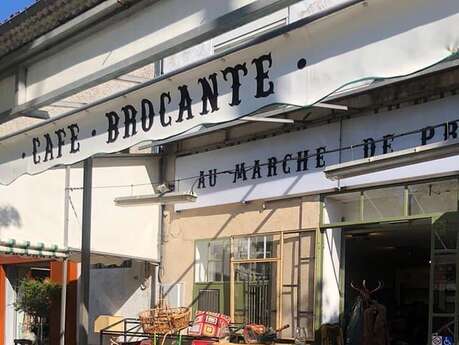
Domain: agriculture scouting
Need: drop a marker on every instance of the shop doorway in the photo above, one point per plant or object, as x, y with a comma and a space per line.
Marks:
256, 280
395, 260
444, 283
256, 286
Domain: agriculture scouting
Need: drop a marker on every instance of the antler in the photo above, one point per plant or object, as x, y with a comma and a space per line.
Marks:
379, 287
364, 291
356, 288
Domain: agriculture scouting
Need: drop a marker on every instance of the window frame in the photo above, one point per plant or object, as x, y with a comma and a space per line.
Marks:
406, 206
208, 260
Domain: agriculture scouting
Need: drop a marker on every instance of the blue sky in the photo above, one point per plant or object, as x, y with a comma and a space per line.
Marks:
8, 7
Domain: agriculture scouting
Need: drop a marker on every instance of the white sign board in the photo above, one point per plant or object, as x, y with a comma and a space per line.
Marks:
292, 164
379, 40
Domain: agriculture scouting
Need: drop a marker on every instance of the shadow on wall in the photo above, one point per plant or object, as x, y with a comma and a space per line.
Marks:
232, 215
9, 216
118, 292
331, 289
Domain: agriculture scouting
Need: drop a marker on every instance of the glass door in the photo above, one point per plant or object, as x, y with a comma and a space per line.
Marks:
255, 293
444, 297
255, 280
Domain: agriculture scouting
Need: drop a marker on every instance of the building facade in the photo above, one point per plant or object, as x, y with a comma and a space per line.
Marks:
317, 141
271, 239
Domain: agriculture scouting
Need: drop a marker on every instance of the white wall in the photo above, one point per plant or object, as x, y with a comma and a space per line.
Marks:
10, 313
120, 292
331, 269
32, 208
330, 276
123, 231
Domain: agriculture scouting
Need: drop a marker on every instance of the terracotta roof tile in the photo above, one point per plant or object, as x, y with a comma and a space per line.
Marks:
38, 19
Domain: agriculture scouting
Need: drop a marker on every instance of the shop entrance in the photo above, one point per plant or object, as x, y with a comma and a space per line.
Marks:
255, 287
408, 237
393, 261
257, 292
411, 269
444, 282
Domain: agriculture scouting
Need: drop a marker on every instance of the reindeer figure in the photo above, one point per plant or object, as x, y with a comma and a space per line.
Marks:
375, 330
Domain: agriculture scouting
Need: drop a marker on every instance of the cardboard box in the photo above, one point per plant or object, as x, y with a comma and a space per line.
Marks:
103, 321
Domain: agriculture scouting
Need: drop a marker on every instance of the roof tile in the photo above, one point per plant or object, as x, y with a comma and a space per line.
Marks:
38, 19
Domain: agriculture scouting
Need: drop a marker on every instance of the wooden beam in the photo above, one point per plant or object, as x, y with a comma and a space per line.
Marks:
255, 261
280, 273
232, 305
2, 304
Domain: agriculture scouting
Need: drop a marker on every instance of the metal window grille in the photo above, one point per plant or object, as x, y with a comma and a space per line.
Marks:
209, 300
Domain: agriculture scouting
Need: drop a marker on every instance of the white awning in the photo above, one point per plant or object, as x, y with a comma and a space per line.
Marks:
299, 65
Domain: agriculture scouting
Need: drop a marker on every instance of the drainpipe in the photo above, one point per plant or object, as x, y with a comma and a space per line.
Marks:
65, 264
161, 253
164, 159
162, 169
158, 71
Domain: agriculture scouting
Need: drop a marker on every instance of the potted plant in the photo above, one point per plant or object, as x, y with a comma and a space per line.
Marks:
35, 299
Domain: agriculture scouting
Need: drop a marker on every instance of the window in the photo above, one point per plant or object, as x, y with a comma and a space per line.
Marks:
209, 299
389, 202
212, 261
173, 294
257, 247
344, 207
441, 196
260, 294
383, 203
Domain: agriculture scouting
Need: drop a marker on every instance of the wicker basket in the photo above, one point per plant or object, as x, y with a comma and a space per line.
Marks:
162, 320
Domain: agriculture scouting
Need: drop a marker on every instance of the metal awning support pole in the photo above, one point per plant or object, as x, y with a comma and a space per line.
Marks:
63, 303
65, 263
83, 329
